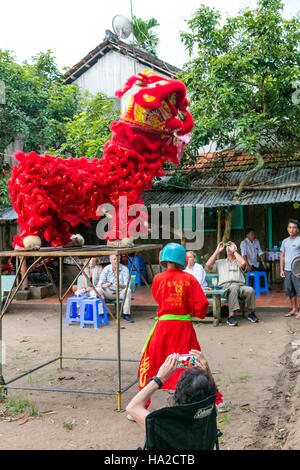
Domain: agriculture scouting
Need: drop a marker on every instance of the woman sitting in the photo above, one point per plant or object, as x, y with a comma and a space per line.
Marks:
93, 271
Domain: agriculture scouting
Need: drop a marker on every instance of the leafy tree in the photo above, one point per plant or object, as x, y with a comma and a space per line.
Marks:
241, 77
87, 132
37, 104
4, 196
144, 38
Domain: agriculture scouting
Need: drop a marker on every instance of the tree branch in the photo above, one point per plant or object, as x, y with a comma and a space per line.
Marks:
249, 175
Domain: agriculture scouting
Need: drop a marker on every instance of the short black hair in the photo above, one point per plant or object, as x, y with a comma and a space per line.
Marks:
249, 229
193, 385
294, 221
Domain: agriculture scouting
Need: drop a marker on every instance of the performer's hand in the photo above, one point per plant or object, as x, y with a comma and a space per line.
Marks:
168, 367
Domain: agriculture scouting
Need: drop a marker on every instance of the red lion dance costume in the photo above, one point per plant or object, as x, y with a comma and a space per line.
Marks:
51, 195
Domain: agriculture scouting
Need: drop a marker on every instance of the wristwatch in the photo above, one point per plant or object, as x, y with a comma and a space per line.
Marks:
157, 380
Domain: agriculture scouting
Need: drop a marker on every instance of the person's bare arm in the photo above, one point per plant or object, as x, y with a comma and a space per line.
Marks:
136, 407
248, 267
282, 264
239, 258
262, 260
211, 261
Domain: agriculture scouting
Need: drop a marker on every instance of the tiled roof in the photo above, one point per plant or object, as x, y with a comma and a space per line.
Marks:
112, 42
264, 177
223, 162
213, 179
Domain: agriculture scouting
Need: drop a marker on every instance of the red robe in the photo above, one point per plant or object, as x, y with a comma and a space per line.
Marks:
177, 293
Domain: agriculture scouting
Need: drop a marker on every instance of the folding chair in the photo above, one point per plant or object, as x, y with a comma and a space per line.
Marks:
183, 427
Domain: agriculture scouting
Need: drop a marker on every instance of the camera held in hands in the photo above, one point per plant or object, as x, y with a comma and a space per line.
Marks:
187, 360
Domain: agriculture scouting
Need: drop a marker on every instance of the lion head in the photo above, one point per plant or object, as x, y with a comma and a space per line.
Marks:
155, 103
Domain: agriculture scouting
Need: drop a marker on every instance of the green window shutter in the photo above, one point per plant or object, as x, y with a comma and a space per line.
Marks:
238, 218
187, 218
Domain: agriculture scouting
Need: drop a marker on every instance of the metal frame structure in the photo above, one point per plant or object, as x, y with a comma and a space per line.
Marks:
86, 252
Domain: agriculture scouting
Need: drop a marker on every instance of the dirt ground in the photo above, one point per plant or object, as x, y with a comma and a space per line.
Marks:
256, 367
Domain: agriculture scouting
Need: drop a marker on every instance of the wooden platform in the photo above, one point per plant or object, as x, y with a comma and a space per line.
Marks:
80, 252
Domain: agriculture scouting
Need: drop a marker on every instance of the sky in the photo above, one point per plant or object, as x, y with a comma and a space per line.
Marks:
72, 28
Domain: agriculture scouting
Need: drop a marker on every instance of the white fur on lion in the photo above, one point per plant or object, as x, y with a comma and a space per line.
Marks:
76, 240
125, 242
33, 242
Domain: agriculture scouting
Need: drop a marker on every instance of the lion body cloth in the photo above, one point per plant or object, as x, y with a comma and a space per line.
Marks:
52, 195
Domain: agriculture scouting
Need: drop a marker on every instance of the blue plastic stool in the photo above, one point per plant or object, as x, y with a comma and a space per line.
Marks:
139, 267
73, 304
257, 276
89, 313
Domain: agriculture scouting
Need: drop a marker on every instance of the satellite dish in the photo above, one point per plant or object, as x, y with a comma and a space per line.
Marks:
121, 26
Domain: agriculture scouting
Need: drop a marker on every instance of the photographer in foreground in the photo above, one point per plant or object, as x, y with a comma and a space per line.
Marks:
195, 384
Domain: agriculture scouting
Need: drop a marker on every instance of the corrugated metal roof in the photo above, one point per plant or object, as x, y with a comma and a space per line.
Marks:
8, 214
220, 198
265, 176
216, 195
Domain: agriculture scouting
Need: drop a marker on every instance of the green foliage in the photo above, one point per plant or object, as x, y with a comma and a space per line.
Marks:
144, 38
178, 179
87, 132
37, 104
4, 196
15, 407
242, 78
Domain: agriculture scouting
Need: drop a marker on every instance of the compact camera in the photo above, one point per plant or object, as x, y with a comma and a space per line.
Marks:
187, 360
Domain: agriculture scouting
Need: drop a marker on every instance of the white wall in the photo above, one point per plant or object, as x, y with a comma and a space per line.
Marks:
11, 149
110, 73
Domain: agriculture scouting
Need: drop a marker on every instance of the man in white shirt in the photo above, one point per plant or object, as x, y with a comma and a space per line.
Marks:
195, 268
252, 252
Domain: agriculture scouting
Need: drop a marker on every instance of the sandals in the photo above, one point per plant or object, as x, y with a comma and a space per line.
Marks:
296, 315
290, 314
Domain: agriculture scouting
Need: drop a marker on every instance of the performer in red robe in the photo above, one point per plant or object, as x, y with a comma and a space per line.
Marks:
179, 296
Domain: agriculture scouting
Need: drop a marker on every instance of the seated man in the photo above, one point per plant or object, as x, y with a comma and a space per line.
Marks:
107, 286
231, 276
195, 268
251, 252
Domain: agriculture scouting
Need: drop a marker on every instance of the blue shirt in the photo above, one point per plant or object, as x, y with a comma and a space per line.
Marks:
108, 276
291, 249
